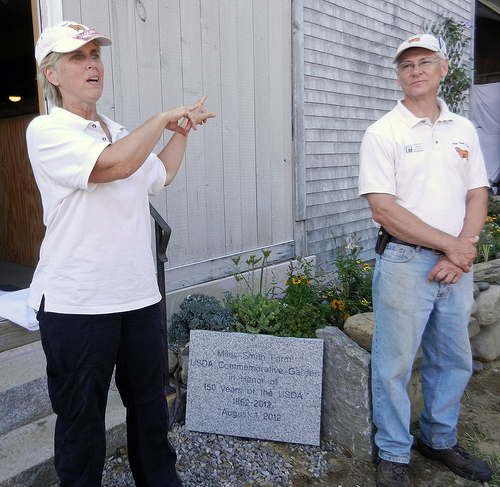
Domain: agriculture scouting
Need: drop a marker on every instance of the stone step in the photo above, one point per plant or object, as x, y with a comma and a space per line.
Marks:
27, 422
23, 387
13, 336
26, 455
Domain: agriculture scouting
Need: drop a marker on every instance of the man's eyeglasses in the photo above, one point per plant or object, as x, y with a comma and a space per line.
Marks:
407, 68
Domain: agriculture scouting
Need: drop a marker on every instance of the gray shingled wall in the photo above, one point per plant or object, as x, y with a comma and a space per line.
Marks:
348, 83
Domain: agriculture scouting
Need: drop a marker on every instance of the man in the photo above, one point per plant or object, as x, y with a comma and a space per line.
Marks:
422, 172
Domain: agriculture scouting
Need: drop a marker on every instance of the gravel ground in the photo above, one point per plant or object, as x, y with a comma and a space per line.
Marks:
211, 460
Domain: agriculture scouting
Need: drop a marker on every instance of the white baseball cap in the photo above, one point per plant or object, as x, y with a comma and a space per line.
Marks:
66, 37
426, 41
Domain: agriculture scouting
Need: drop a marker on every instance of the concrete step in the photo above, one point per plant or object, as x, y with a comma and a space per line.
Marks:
27, 422
23, 387
13, 336
27, 456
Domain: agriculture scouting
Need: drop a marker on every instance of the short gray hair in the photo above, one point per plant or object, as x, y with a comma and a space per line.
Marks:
50, 91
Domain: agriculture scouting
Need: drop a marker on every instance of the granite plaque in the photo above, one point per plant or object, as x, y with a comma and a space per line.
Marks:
255, 386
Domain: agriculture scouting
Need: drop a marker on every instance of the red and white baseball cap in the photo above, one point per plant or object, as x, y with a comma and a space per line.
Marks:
66, 37
426, 41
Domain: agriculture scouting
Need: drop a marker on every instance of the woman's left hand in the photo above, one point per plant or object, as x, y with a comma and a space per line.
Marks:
199, 113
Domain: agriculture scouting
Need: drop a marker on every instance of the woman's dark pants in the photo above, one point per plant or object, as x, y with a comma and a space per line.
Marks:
82, 351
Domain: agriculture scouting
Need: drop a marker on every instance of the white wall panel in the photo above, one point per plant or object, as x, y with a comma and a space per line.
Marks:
234, 191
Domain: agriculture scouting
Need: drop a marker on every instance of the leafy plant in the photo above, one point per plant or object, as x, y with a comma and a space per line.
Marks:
298, 309
350, 291
489, 239
493, 207
454, 86
301, 284
254, 314
300, 321
248, 278
290, 311
199, 312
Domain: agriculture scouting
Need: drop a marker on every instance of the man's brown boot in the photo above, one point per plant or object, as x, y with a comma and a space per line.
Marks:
392, 474
459, 461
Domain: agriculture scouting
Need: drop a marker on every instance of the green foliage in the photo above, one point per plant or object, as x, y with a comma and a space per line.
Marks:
453, 88
350, 291
301, 284
199, 312
254, 314
489, 240
298, 309
300, 321
493, 207
254, 264
488, 245
292, 311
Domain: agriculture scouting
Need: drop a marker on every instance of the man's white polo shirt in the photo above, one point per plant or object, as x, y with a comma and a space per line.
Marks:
428, 168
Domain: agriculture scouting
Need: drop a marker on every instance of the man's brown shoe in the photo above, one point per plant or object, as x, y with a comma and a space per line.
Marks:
459, 461
392, 474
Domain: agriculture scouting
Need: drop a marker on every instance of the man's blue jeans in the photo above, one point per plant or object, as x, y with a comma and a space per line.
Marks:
81, 352
409, 311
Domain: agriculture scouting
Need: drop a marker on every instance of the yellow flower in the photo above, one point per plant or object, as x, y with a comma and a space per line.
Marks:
308, 283
366, 267
337, 304
364, 302
347, 315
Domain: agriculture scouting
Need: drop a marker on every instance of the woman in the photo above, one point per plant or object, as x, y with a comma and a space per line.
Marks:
95, 287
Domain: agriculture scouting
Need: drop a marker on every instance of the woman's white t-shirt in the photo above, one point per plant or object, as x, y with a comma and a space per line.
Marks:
96, 255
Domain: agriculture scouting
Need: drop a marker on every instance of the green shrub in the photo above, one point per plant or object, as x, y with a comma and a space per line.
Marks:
254, 314
300, 321
199, 312
294, 310
253, 263
301, 284
488, 245
457, 36
350, 291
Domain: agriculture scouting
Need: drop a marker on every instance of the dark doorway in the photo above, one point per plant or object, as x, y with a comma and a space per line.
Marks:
487, 42
21, 226
18, 88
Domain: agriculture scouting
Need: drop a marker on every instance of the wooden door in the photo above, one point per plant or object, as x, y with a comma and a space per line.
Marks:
21, 226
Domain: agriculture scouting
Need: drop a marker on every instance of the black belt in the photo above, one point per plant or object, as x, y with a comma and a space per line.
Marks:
401, 242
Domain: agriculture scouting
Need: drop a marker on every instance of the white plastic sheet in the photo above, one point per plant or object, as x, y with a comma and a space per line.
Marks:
13, 306
485, 115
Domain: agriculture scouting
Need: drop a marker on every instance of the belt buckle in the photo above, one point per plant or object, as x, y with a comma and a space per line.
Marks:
437, 252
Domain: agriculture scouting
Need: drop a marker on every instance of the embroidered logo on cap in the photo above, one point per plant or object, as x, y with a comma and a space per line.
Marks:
87, 35
77, 27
